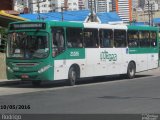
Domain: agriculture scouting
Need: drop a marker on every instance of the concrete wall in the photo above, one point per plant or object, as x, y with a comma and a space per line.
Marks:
2, 66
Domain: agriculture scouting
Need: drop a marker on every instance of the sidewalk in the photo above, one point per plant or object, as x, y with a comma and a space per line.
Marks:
154, 72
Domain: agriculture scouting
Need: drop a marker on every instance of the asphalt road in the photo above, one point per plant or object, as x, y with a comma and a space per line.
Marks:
100, 95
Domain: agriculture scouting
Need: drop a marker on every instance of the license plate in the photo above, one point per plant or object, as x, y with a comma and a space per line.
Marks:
24, 76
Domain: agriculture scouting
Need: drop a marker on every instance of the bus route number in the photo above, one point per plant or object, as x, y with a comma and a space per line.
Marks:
75, 53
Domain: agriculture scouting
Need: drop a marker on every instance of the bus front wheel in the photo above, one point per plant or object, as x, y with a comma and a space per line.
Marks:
131, 70
36, 83
72, 76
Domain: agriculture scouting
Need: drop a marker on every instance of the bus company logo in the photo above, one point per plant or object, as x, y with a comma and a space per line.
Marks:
150, 117
74, 53
107, 56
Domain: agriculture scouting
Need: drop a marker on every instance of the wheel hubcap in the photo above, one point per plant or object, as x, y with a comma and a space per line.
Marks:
131, 71
73, 75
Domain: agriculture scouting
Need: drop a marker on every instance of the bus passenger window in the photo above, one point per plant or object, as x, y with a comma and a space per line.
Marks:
74, 38
91, 38
58, 43
106, 38
132, 38
120, 38
153, 39
60, 39
144, 39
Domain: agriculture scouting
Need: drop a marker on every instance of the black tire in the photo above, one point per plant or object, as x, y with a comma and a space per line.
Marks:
72, 76
36, 83
131, 70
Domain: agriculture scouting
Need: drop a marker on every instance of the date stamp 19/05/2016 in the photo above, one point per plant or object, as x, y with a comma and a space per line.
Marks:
14, 107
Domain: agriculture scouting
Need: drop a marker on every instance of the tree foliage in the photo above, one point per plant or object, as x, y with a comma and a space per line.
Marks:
3, 39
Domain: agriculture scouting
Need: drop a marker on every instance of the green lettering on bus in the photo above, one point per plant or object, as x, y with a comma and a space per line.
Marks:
105, 55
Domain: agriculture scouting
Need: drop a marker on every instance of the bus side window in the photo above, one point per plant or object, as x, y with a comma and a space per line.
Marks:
144, 39
153, 39
58, 43
106, 38
120, 38
74, 37
132, 38
91, 38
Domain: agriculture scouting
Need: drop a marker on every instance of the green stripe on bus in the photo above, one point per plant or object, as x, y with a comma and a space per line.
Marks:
142, 50
72, 53
130, 27
66, 24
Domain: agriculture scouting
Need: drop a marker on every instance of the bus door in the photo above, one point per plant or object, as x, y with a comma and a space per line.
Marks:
58, 52
108, 58
153, 57
118, 52
91, 45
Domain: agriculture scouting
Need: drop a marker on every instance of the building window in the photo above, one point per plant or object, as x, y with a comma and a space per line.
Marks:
75, 3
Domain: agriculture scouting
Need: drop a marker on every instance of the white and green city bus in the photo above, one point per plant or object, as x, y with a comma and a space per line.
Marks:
53, 50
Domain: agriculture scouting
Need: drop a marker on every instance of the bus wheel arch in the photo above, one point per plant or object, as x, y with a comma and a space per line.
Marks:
131, 70
73, 74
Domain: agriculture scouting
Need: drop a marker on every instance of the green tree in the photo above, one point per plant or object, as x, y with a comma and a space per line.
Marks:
3, 39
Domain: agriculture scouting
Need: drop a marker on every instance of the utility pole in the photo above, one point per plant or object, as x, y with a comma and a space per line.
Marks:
106, 5
95, 6
149, 12
91, 11
38, 5
92, 17
152, 14
62, 13
65, 5
63, 8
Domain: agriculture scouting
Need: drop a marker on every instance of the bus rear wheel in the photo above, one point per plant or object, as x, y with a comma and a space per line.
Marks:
36, 83
131, 70
72, 76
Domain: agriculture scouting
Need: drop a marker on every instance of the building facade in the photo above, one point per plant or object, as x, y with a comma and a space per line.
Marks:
124, 9
151, 5
158, 1
81, 4
99, 5
144, 4
20, 5
135, 4
44, 6
6, 5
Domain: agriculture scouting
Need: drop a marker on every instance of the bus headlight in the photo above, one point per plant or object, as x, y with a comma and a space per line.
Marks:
44, 69
9, 69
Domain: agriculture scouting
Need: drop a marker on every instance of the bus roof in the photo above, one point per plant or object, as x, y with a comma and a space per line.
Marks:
55, 23
65, 24
91, 25
104, 26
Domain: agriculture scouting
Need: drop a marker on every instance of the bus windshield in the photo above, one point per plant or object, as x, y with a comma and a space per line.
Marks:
27, 45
